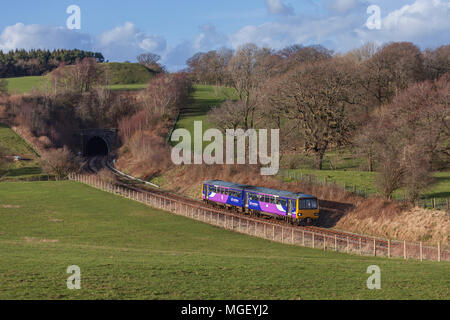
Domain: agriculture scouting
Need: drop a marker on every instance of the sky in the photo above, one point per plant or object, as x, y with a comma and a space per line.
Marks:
177, 29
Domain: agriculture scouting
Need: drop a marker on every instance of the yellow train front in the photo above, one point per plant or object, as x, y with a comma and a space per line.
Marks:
297, 208
308, 210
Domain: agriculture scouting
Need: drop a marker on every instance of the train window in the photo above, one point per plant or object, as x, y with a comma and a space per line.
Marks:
239, 194
308, 204
273, 200
283, 202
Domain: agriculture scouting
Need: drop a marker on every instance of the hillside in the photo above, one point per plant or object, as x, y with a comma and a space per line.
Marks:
14, 145
123, 76
127, 73
129, 251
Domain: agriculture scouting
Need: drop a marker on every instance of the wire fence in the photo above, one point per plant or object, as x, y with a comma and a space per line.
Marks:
432, 203
353, 244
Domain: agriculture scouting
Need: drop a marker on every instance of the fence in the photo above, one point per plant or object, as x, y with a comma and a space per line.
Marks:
433, 203
279, 233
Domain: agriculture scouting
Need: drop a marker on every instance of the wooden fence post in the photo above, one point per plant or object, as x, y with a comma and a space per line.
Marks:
404, 249
421, 253
348, 244
389, 248
313, 240
360, 247
303, 238
439, 251
273, 232
292, 235
374, 247
324, 243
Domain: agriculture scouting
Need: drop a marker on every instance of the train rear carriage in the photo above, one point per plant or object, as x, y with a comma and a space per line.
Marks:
224, 193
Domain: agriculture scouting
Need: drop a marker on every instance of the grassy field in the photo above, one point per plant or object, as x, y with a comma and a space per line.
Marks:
128, 251
123, 76
15, 146
25, 84
365, 182
127, 73
204, 99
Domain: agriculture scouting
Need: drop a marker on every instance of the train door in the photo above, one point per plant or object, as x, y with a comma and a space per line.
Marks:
246, 200
289, 208
207, 192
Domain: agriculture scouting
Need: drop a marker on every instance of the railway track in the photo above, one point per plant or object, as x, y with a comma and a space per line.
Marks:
95, 164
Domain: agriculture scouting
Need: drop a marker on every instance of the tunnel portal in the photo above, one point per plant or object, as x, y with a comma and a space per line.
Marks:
97, 146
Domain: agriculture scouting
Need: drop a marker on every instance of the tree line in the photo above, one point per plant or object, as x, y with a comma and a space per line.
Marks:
387, 103
36, 62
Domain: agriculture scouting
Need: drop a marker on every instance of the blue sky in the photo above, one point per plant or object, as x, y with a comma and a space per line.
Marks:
176, 29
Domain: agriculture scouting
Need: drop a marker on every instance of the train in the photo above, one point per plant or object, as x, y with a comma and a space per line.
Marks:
295, 208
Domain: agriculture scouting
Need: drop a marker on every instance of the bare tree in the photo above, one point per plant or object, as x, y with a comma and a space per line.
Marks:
316, 96
437, 62
248, 70
229, 115
406, 136
61, 162
392, 69
151, 61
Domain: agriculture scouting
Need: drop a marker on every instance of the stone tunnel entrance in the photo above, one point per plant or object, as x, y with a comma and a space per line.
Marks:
98, 142
96, 146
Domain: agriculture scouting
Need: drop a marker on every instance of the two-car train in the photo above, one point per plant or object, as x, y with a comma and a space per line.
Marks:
297, 208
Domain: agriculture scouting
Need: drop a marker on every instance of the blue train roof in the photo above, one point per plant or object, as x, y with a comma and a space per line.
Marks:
224, 184
279, 193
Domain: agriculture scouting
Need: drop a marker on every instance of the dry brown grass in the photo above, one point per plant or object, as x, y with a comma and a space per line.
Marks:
8, 206
36, 240
387, 219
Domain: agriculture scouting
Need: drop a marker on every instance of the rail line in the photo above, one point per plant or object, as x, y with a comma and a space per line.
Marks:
95, 164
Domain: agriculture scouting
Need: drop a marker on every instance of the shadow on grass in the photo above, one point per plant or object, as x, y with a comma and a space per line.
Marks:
25, 171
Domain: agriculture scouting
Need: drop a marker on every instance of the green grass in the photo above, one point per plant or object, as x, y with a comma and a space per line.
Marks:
128, 73
365, 182
128, 251
15, 146
203, 99
25, 84
123, 76
128, 87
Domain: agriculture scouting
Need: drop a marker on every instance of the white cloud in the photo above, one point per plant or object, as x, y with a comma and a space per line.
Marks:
126, 42
42, 37
278, 7
425, 22
282, 33
209, 38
